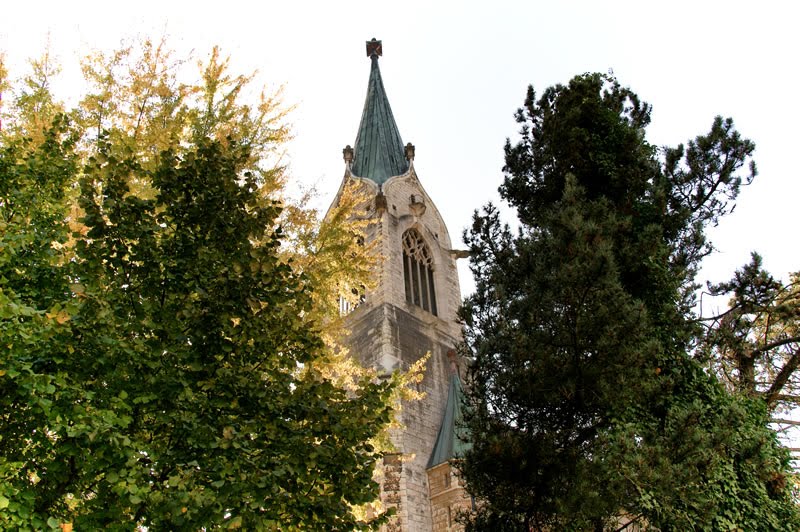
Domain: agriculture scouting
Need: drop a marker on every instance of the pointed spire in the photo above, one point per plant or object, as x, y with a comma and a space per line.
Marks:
379, 150
451, 442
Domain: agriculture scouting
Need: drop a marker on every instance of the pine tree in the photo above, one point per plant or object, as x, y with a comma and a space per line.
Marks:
587, 409
754, 346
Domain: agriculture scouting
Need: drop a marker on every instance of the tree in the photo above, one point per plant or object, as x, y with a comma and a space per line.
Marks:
134, 99
166, 366
754, 346
587, 409
33, 290
34, 106
140, 98
180, 384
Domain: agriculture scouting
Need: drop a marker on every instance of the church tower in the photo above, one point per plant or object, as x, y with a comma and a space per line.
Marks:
412, 310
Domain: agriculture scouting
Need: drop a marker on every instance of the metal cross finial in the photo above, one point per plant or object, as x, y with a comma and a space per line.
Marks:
374, 48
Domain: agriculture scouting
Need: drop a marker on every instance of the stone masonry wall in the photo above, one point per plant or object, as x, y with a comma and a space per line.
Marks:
409, 339
448, 498
390, 334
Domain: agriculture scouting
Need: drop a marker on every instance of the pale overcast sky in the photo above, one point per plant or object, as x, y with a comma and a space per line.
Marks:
456, 71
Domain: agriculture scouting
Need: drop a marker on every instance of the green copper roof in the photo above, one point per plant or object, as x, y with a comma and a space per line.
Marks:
451, 441
379, 152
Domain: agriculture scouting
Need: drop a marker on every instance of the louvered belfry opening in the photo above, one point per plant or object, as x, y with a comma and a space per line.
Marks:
418, 272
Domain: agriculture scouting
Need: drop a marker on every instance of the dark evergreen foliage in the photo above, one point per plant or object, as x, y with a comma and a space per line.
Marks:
587, 409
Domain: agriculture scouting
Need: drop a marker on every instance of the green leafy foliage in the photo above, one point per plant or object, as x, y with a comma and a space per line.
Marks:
164, 361
179, 389
587, 411
34, 306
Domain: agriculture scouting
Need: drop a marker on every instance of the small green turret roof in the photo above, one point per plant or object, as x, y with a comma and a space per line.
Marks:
379, 152
451, 442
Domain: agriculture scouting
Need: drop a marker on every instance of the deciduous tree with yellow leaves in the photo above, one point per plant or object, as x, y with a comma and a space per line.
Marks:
164, 361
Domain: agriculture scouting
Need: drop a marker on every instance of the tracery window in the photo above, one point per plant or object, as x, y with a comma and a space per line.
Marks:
418, 272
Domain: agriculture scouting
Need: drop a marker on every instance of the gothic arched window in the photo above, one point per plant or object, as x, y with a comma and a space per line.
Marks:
418, 272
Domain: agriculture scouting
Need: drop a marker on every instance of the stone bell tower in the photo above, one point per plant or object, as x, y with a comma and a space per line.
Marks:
412, 309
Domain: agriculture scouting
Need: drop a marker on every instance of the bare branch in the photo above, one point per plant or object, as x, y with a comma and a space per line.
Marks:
774, 344
786, 398
785, 421
786, 372
633, 521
